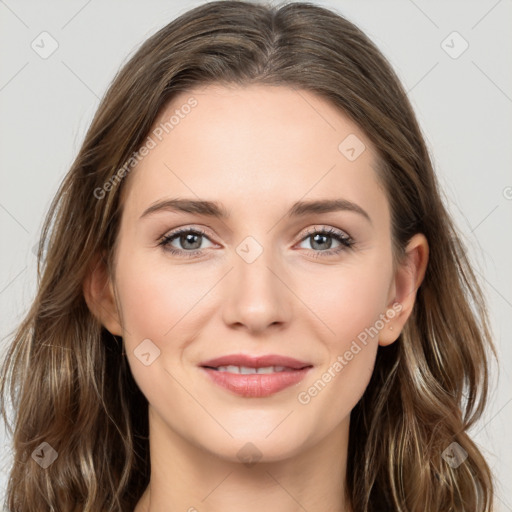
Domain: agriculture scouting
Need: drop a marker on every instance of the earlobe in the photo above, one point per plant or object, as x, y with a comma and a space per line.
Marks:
408, 278
99, 296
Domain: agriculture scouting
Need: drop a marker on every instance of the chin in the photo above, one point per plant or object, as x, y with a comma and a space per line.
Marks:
251, 447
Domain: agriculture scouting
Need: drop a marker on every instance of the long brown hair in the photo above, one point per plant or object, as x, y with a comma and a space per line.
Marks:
67, 376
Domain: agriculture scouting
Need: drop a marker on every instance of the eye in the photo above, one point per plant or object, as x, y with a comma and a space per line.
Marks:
321, 241
189, 239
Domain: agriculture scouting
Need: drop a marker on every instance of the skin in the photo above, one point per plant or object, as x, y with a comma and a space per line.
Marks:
256, 150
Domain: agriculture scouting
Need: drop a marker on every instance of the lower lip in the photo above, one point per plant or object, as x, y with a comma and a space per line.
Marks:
257, 385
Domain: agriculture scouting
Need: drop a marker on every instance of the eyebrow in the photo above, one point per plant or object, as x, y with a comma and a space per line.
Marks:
215, 209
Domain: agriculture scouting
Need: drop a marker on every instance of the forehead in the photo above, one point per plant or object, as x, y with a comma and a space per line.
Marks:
252, 146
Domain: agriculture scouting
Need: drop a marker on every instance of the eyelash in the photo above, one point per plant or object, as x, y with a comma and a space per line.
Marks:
346, 241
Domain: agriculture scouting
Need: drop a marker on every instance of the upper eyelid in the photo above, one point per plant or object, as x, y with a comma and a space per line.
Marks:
330, 230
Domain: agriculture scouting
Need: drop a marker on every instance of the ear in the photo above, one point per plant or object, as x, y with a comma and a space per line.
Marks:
408, 278
99, 295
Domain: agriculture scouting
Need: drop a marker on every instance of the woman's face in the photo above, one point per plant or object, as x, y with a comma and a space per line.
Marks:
278, 275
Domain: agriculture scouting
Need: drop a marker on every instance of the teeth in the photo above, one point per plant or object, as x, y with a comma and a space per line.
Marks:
244, 370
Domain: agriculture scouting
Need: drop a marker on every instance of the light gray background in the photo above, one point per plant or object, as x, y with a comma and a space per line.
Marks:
464, 105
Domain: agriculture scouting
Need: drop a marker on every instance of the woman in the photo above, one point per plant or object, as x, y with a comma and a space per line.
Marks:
255, 369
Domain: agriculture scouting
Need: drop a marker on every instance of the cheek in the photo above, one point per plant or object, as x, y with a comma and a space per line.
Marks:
350, 308
165, 303
156, 296
350, 303
157, 304
348, 300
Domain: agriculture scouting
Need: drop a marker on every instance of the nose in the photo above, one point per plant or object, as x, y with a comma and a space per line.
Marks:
256, 294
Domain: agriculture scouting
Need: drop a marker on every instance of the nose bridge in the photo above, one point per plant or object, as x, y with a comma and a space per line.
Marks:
256, 295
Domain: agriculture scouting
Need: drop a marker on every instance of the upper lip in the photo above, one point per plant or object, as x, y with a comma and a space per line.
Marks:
255, 361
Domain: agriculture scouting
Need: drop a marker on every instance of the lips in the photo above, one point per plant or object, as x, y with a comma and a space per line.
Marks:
239, 373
